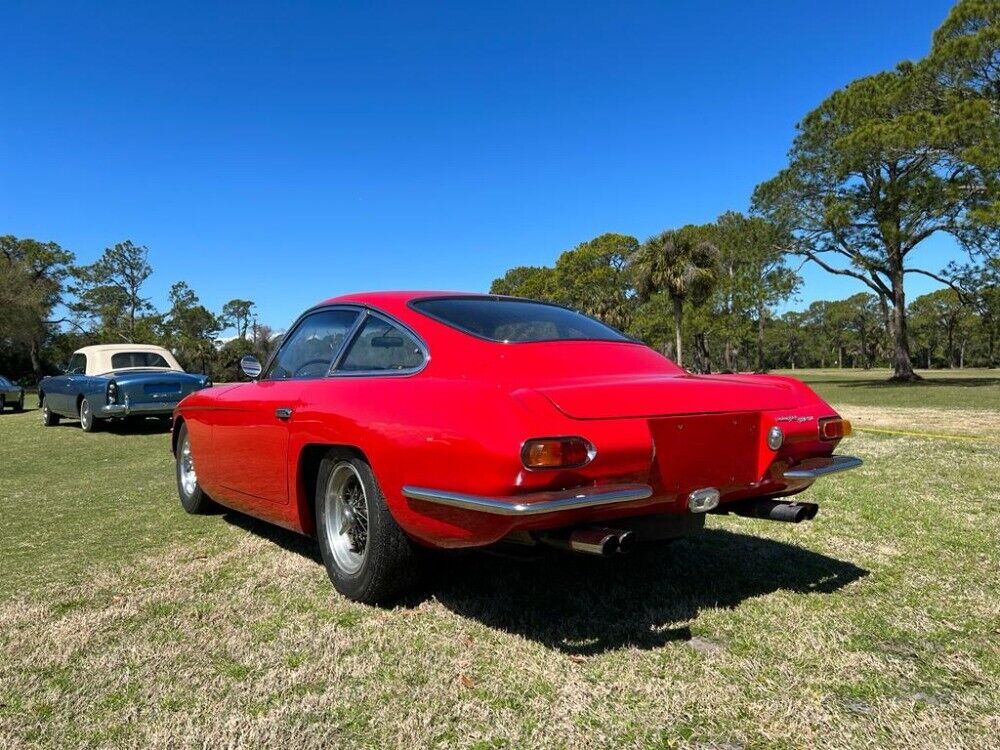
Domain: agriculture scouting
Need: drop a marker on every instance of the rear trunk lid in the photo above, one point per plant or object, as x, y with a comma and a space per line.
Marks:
659, 395
157, 386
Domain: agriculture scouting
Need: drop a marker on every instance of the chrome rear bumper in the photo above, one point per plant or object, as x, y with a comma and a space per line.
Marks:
155, 409
817, 467
535, 503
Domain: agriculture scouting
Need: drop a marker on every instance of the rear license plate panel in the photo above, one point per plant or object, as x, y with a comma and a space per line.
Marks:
706, 450
160, 389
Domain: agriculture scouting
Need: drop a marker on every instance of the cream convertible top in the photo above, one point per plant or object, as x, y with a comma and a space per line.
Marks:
99, 358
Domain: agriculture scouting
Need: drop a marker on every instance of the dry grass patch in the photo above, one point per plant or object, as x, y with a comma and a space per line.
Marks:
978, 423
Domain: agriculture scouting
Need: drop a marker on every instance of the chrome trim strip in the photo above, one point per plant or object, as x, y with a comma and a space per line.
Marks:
535, 503
817, 467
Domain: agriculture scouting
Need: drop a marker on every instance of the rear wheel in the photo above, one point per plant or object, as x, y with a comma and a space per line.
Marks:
367, 556
193, 499
87, 419
49, 417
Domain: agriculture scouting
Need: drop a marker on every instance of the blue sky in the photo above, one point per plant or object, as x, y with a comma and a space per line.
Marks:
287, 152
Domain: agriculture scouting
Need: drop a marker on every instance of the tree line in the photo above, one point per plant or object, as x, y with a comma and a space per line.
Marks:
51, 306
874, 172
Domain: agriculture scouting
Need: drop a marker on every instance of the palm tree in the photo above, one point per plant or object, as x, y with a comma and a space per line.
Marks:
680, 264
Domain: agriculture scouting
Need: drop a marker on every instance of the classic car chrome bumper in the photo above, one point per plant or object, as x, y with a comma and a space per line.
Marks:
817, 467
535, 503
141, 410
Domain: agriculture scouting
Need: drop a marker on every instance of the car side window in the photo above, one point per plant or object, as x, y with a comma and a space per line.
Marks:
381, 346
309, 350
77, 364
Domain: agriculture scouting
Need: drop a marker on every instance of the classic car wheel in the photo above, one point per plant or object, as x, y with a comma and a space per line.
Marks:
87, 419
367, 556
20, 404
193, 499
49, 418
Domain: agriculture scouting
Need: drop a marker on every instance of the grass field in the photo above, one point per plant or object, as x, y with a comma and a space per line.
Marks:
126, 623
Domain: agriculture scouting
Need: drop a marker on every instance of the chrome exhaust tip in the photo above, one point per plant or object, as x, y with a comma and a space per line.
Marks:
778, 510
590, 540
593, 541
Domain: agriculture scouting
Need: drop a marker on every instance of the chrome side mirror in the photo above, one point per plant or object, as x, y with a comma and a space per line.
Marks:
250, 366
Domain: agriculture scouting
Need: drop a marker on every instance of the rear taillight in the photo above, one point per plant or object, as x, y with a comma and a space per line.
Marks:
112, 392
557, 453
834, 428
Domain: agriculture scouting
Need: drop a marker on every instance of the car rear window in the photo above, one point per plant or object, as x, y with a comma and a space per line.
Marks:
504, 319
121, 360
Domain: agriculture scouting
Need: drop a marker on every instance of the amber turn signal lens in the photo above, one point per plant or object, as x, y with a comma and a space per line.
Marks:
557, 453
834, 428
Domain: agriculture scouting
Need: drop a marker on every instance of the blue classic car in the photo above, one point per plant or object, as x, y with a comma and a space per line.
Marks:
11, 394
113, 381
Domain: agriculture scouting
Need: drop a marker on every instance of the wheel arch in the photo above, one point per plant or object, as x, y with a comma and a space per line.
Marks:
175, 430
307, 471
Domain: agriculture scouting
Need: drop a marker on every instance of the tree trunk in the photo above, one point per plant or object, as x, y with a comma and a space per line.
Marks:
760, 338
902, 366
883, 303
36, 360
678, 312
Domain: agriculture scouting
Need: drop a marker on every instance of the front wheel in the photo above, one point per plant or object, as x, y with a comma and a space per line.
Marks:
87, 419
49, 417
367, 556
193, 498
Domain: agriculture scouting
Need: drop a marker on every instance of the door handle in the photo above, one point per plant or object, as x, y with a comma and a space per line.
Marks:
283, 412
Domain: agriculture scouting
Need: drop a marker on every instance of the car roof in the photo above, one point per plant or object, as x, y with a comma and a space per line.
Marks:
394, 297
119, 348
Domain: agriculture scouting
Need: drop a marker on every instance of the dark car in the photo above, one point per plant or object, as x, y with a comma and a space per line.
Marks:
11, 394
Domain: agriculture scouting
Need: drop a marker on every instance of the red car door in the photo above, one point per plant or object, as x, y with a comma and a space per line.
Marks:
251, 426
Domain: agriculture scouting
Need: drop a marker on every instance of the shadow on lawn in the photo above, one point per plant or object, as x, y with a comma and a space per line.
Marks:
925, 383
584, 605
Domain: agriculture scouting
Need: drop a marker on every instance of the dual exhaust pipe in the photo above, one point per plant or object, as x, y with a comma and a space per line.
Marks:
604, 542
592, 540
775, 510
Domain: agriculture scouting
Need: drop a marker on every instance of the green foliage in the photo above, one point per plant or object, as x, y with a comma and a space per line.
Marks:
681, 265
108, 293
32, 274
593, 277
236, 314
189, 329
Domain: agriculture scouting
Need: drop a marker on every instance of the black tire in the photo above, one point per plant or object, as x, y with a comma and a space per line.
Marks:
193, 498
49, 417
3, 403
20, 404
88, 422
390, 563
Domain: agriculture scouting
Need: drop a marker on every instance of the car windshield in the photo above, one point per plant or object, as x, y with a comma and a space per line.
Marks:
123, 360
4, 383
504, 319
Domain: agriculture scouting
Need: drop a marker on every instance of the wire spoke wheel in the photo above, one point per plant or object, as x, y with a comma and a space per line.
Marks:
189, 477
345, 522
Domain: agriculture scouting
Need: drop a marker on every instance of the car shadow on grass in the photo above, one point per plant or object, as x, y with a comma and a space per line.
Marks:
584, 605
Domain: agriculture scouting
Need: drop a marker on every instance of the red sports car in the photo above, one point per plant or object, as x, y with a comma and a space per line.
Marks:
394, 421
